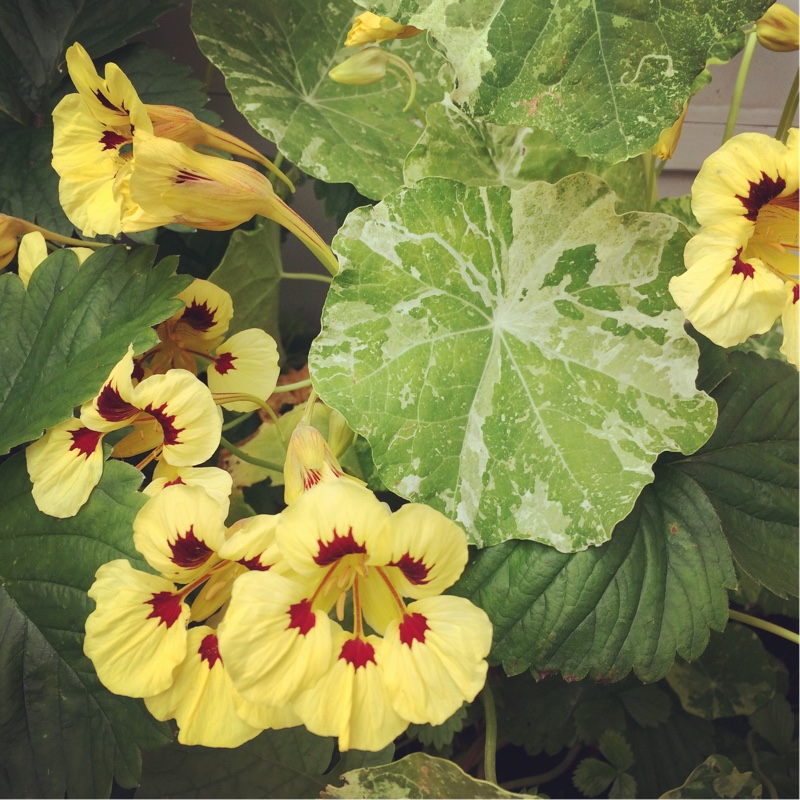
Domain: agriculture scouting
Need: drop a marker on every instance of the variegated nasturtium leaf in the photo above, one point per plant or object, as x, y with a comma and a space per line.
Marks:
513, 358
606, 78
456, 146
276, 57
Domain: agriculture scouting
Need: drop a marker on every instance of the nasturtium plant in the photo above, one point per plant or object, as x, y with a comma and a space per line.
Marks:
513, 512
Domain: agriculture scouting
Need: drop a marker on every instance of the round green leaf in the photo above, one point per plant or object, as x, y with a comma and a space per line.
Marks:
513, 357
276, 57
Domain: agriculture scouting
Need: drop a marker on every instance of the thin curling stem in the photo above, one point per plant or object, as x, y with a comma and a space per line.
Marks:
402, 64
789, 110
755, 622
258, 462
490, 742
741, 79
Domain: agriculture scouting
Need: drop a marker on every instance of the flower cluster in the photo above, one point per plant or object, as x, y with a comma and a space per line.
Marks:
742, 268
277, 658
173, 415
125, 166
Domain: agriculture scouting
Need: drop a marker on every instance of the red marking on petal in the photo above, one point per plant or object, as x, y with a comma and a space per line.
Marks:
357, 652
413, 568
111, 140
254, 564
85, 441
412, 629
338, 547
760, 194
189, 551
199, 316
742, 267
176, 482
107, 103
209, 650
167, 422
224, 363
138, 371
166, 608
184, 176
311, 477
301, 617
795, 293
111, 406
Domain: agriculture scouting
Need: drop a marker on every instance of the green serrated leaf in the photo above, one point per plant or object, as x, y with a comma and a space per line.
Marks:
716, 777
61, 338
648, 705
455, 146
592, 776
417, 775
606, 78
61, 732
655, 589
439, 736
35, 36
276, 57
624, 786
749, 469
250, 271
616, 750
775, 722
733, 676
495, 349
285, 763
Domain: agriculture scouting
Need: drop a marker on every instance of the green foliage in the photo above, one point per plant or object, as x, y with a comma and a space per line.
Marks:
605, 78
276, 57
717, 777
417, 775
286, 763
61, 731
61, 337
733, 676
502, 375
593, 776
439, 736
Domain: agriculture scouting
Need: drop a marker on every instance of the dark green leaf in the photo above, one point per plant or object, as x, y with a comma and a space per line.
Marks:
717, 777
286, 763
592, 776
648, 705
655, 589
749, 469
775, 722
339, 199
61, 338
616, 750
623, 787
439, 736
61, 731
733, 676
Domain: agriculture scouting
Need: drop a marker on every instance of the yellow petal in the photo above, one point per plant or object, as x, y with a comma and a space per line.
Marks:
214, 481
369, 27
778, 29
113, 407
791, 311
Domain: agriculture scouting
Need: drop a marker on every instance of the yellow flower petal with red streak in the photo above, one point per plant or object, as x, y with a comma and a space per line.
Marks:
791, 311
725, 297
113, 407
351, 700
369, 27
274, 643
332, 522
309, 461
247, 363
434, 658
202, 699
64, 466
179, 532
184, 408
215, 482
208, 312
136, 635
253, 545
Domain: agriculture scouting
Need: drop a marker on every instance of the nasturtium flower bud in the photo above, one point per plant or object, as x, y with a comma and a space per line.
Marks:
664, 148
369, 27
778, 29
366, 67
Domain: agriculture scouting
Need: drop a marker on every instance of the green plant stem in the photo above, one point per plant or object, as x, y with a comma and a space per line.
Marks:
757, 767
234, 422
309, 409
258, 462
306, 276
736, 101
551, 774
490, 741
789, 110
220, 398
755, 622
291, 387
650, 182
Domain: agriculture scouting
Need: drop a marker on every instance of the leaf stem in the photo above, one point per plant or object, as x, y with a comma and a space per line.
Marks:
490, 742
258, 462
309, 409
789, 110
650, 180
551, 774
770, 627
238, 420
736, 101
291, 387
757, 767
306, 276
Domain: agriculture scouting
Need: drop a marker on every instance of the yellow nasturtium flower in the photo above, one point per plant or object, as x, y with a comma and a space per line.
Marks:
779, 29
742, 268
369, 27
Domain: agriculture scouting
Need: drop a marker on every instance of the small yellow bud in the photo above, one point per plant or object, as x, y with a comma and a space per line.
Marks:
778, 29
668, 141
341, 436
365, 67
369, 27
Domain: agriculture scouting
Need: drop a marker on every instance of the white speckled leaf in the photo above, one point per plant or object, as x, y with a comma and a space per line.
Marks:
275, 58
605, 77
513, 357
